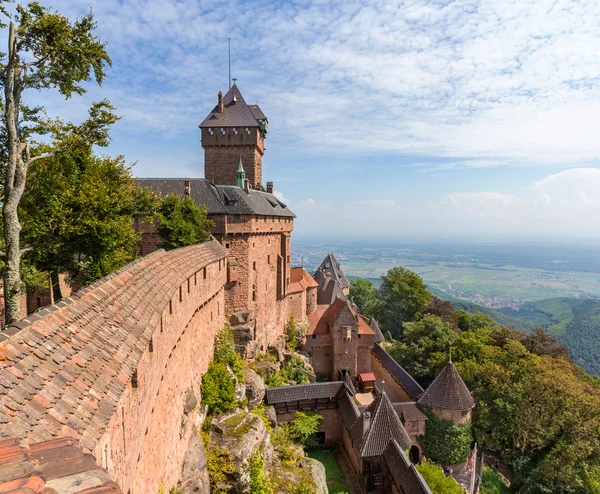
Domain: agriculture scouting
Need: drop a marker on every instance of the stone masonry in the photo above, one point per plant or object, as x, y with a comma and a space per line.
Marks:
112, 365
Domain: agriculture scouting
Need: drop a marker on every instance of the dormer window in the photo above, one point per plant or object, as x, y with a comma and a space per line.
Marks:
222, 131
210, 131
235, 131
247, 131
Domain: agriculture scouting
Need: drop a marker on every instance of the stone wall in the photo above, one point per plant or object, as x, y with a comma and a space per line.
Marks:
221, 164
457, 416
390, 382
321, 350
113, 364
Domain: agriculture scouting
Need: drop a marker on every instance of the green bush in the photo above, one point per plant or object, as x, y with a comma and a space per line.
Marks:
304, 427
260, 483
225, 351
218, 388
260, 411
293, 370
219, 463
294, 332
446, 442
436, 480
284, 445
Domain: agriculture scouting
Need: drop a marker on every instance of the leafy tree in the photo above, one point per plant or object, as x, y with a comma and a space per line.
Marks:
45, 50
260, 483
304, 428
182, 223
436, 480
424, 347
470, 322
402, 295
218, 388
444, 310
446, 442
364, 295
77, 209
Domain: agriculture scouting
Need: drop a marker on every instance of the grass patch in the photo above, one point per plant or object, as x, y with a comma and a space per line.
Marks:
491, 483
336, 482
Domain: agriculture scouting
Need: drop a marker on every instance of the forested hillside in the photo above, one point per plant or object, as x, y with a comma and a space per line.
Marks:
574, 322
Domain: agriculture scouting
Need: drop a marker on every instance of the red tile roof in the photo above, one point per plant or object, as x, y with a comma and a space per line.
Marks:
59, 465
300, 280
367, 377
63, 369
324, 316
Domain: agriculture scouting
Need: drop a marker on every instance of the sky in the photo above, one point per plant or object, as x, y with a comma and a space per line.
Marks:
472, 119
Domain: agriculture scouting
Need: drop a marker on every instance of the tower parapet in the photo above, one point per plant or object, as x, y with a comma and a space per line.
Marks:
233, 130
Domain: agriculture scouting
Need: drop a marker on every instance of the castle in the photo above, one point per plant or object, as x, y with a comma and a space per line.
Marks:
115, 369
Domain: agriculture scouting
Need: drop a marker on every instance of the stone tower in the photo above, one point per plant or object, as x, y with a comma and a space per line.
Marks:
231, 132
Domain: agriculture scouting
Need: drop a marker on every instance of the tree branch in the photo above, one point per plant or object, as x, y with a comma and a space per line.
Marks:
25, 250
40, 157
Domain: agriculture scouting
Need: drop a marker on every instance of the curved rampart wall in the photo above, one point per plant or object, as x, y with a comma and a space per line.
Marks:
112, 365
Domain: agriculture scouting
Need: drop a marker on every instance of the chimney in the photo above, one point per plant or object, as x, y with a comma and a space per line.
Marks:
220, 105
247, 186
366, 421
270, 187
188, 187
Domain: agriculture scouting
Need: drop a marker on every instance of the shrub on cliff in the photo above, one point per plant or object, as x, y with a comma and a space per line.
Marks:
436, 480
304, 427
182, 223
218, 388
260, 483
225, 351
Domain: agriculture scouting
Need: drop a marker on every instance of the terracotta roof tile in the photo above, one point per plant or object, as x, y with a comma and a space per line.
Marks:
87, 347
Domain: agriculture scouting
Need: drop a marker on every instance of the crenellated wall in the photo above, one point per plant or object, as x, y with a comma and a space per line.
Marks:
113, 365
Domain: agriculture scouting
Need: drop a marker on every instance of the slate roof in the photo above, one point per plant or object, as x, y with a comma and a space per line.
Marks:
412, 387
349, 383
330, 265
405, 475
379, 338
448, 391
220, 199
235, 114
55, 466
329, 290
409, 411
63, 369
384, 425
300, 392
348, 409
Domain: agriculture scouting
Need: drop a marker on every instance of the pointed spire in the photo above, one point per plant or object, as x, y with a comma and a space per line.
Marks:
241, 175
448, 391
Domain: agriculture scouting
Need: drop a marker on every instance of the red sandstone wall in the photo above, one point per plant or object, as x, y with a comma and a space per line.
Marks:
390, 382
457, 416
321, 351
221, 164
145, 442
349, 449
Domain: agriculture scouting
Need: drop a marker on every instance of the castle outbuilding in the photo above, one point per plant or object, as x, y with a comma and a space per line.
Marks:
448, 396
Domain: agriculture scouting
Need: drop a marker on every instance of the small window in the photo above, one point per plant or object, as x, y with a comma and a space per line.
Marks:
227, 245
288, 259
171, 306
314, 336
151, 346
134, 379
269, 242
268, 259
181, 294
189, 284
204, 273
254, 265
196, 278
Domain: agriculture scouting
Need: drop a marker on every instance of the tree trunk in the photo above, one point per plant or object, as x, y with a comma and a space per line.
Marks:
56, 291
14, 184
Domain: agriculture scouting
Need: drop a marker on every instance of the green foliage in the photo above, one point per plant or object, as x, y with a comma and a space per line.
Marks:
182, 223
225, 353
260, 411
424, 347
284, 445
446, 442
304, 428
491, 483
437, 480
471, 322
402, 295
260, 483
294, 332
218, 388
219, 464
293, 371
78, 207
364, 295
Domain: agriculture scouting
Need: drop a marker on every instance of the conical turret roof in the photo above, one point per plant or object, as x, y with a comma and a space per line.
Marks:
448, 391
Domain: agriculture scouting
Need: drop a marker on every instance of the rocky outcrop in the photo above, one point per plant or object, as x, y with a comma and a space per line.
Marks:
244, 326
266, 368
241, 434
317, 474
194, 479
307, 472
255, 388
271, 415
240, 388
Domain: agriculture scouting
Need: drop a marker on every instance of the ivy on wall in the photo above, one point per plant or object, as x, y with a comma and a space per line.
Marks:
446, 442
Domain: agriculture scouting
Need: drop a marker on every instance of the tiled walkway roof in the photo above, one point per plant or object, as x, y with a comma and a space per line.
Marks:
64, 368
404, 473
412, 387
300, 392
448, 391
56, 466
